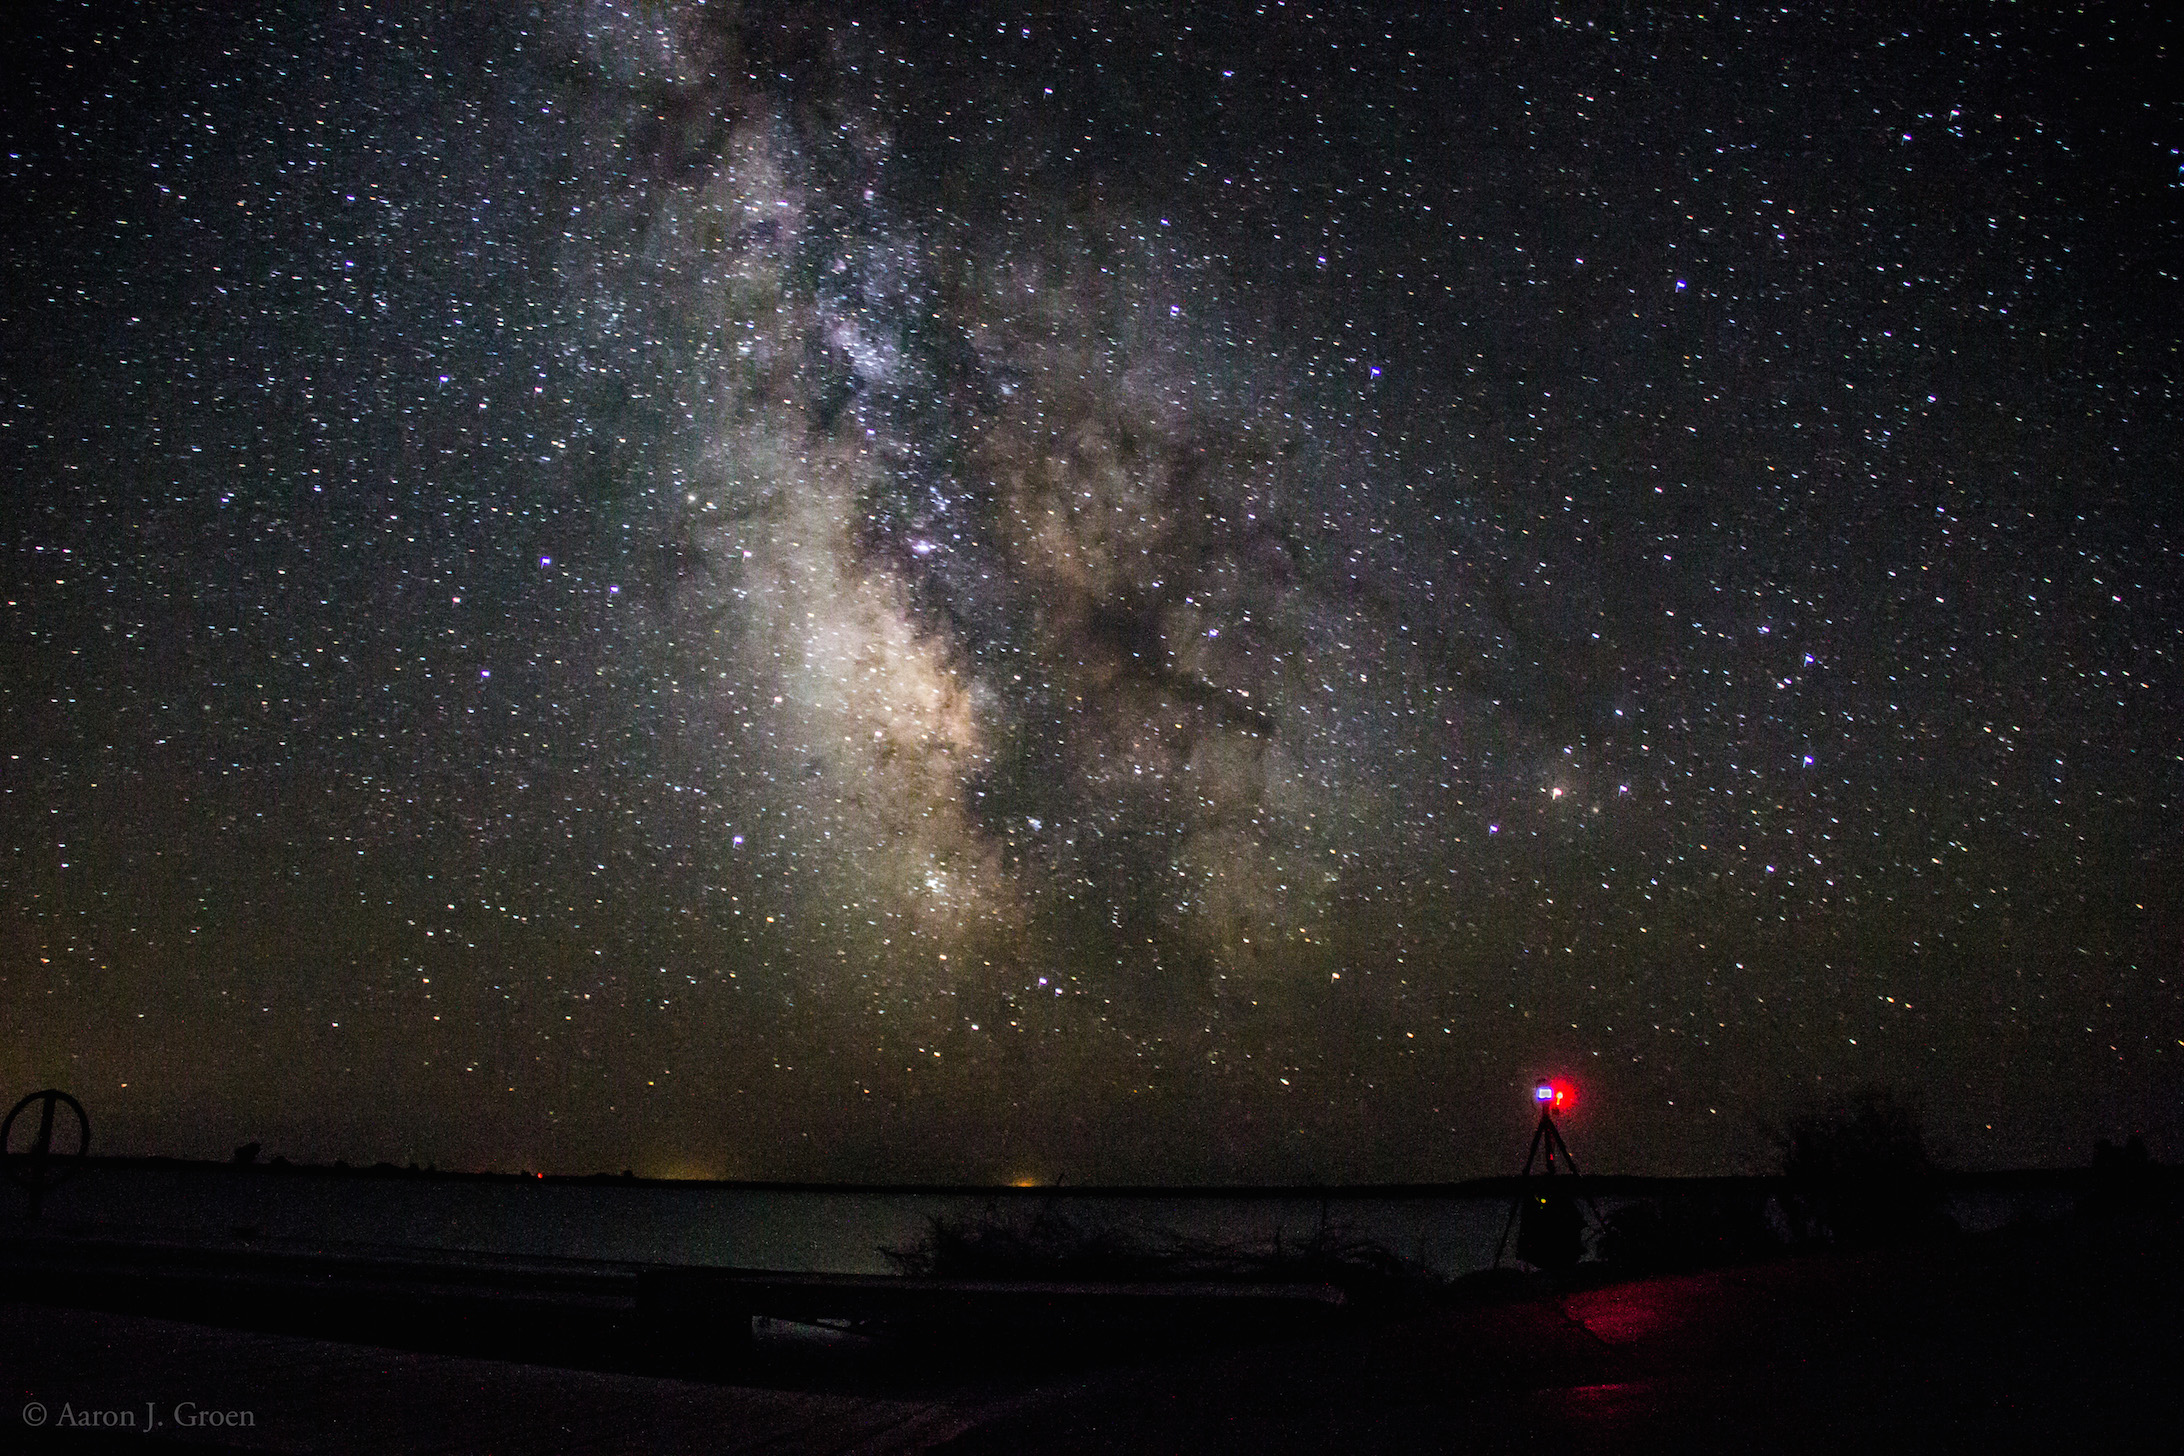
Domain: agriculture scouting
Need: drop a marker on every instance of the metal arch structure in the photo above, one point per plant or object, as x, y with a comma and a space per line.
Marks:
39, 1169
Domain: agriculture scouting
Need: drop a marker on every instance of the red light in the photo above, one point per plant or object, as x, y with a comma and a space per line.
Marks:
1555, 1096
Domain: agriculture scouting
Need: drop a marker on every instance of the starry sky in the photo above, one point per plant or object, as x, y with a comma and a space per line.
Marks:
1097, 592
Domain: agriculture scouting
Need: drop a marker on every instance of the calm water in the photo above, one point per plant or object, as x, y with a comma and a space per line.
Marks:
841, 1231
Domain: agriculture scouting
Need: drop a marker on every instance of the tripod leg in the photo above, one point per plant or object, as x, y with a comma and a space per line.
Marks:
1598, 1222
1544, 1129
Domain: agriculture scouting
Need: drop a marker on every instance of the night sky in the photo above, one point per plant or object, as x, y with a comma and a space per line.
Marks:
1096, 592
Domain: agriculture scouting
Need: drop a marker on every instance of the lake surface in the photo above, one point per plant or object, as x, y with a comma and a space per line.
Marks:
752, 1226
1447, 1232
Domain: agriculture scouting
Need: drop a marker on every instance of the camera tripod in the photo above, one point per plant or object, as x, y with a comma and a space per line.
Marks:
1547, 1141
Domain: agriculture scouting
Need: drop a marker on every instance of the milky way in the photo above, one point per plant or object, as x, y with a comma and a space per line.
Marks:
1089, 592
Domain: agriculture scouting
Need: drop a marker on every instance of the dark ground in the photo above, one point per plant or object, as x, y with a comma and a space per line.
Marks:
2067, 1339
2064, 1337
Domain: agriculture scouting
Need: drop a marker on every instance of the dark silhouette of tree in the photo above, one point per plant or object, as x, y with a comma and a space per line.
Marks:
1859, 1174
2125, 1179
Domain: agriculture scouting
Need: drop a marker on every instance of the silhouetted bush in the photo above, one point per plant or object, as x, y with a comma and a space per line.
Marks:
1689, 1231
1551, 1233
1045, 1246
1042, 1245
1859, 1174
